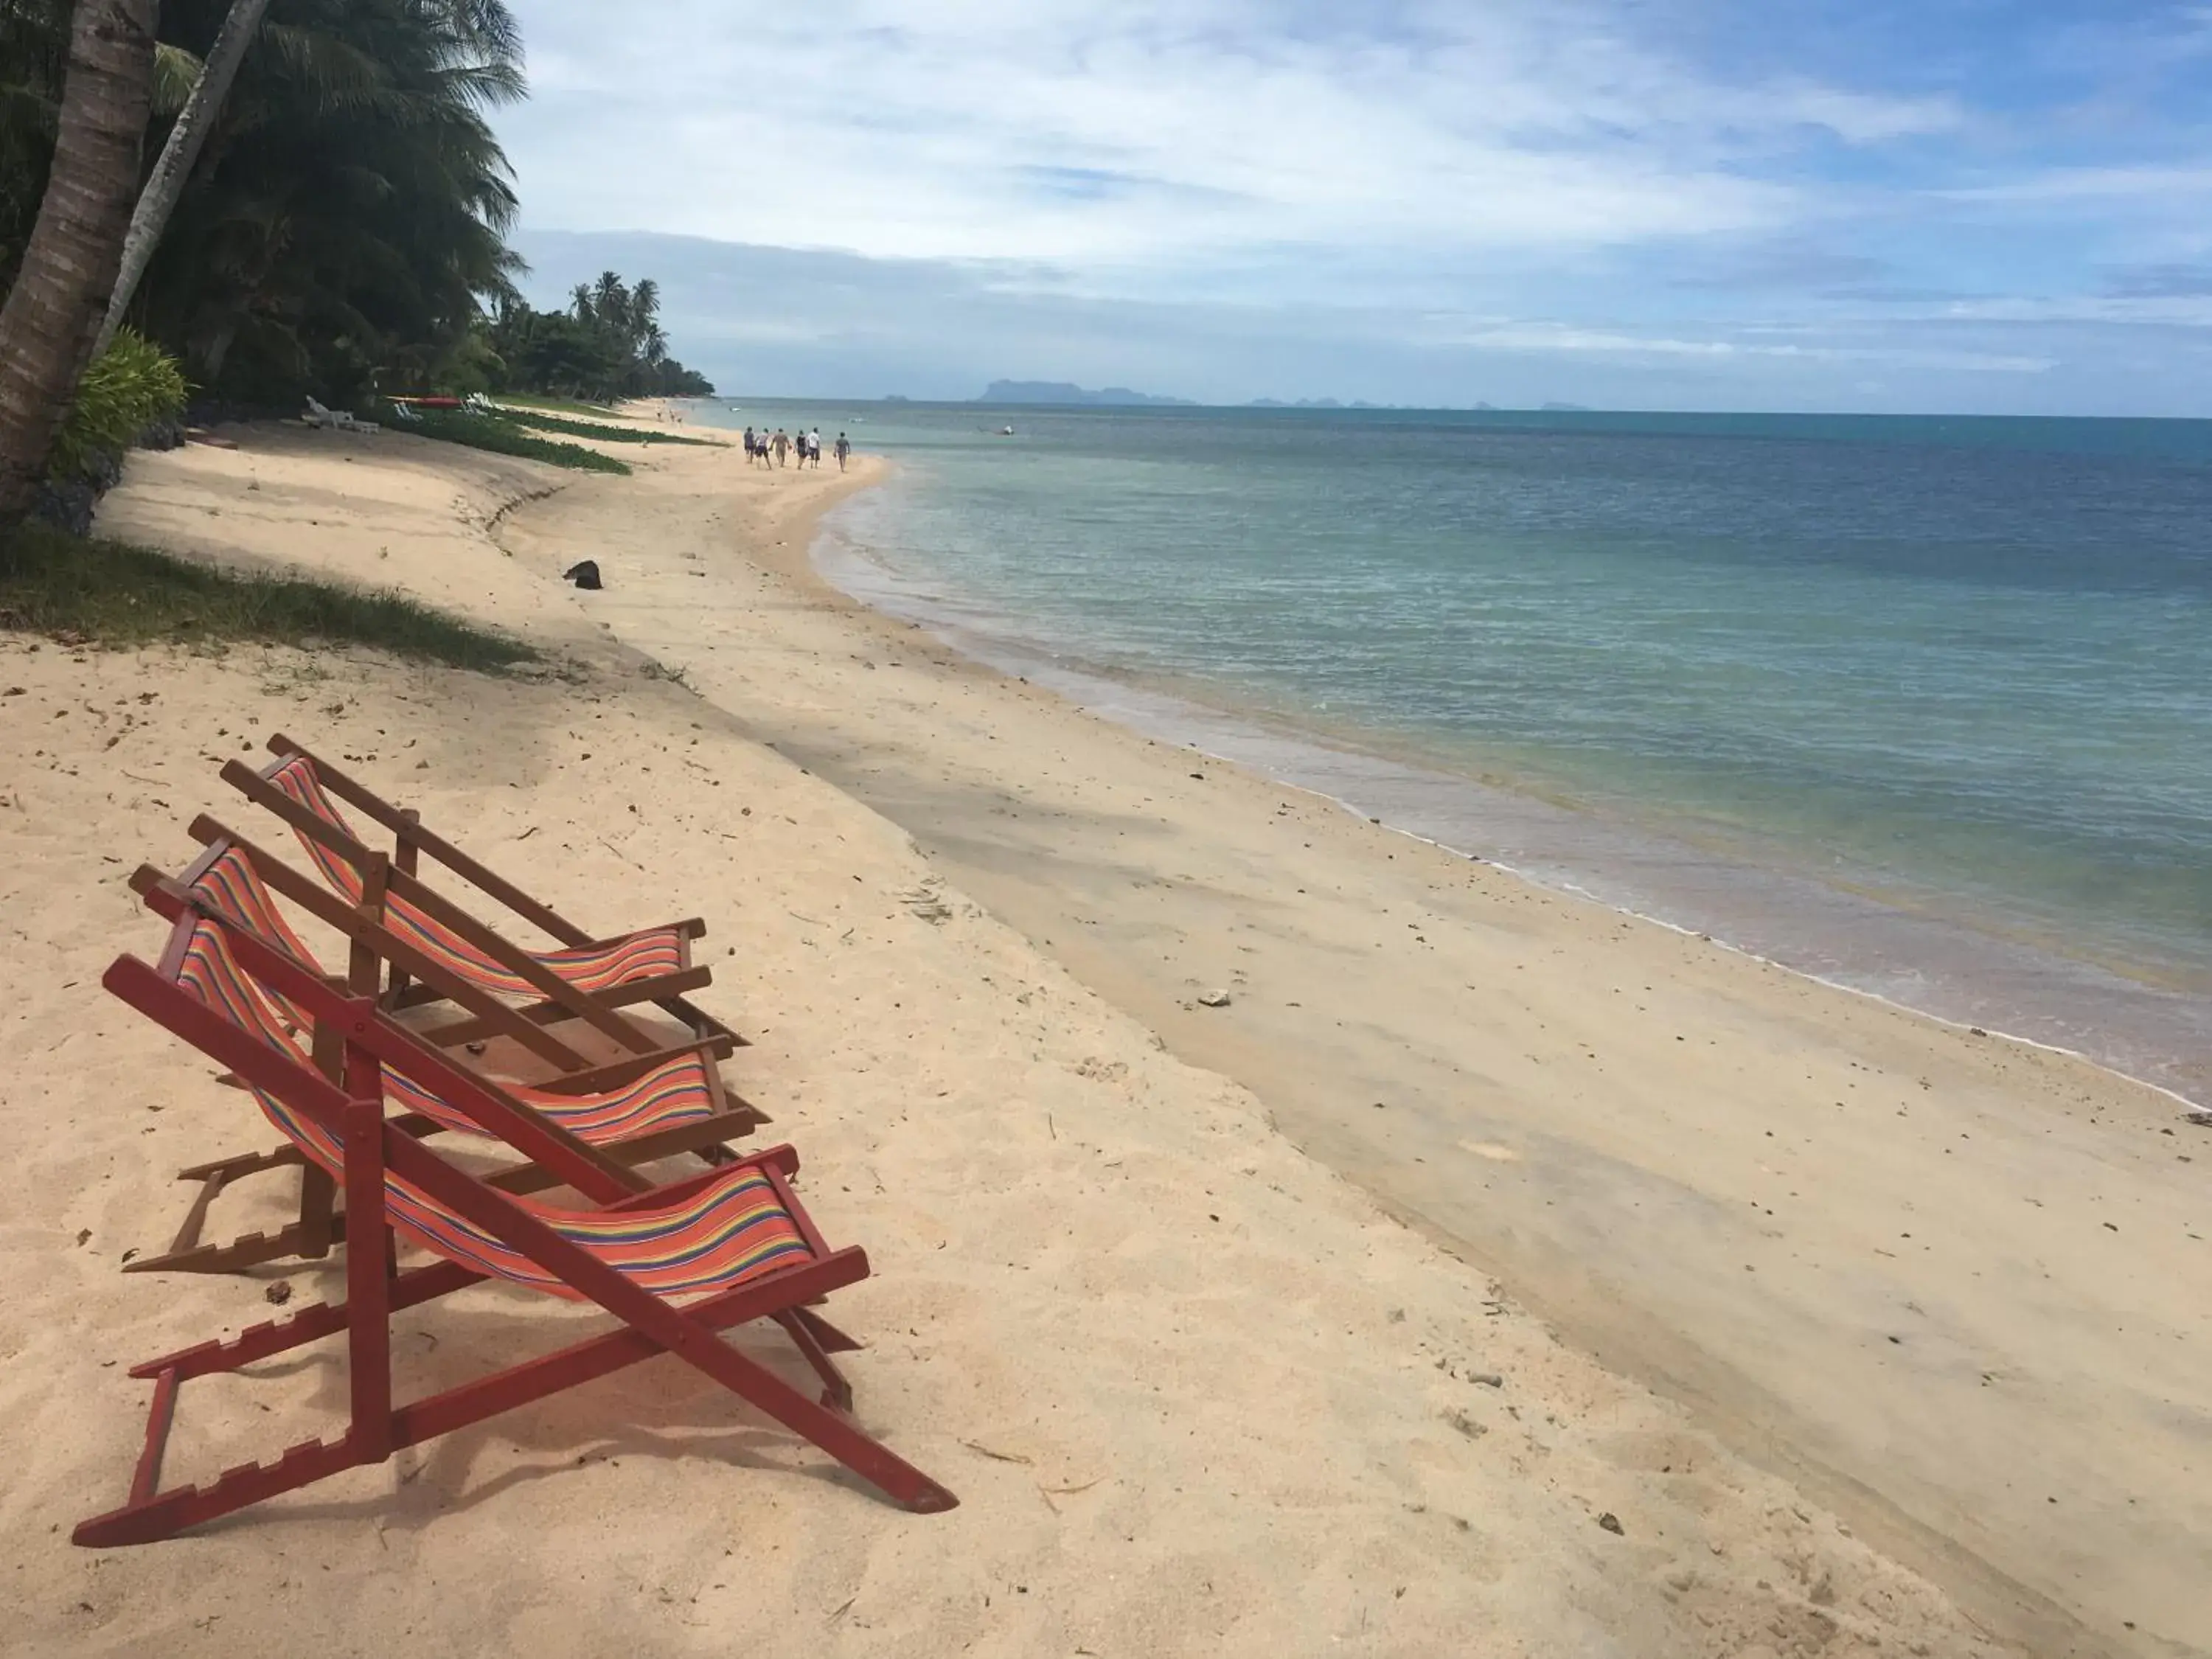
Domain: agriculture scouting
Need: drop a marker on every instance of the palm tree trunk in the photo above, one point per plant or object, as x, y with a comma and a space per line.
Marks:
171, 173
54, 310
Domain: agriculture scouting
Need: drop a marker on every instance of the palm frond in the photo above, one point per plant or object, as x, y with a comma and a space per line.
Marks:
352, 203
176, 72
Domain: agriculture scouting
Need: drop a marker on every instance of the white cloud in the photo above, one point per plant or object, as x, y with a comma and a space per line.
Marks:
1543, 337
1387, 198
1144, 133
2157, 186
2169, 311
762, 321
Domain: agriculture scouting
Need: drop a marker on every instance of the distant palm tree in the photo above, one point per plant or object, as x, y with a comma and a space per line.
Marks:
54, 308
608, 343
646, 342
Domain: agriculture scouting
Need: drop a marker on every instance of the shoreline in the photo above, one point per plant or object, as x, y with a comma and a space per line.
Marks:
1133, 1254
1567, 1268
2022, 988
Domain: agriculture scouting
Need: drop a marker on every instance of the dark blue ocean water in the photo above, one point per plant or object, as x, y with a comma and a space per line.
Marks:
1957, 669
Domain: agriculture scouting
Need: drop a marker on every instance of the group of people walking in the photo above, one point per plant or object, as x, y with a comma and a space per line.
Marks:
801, 448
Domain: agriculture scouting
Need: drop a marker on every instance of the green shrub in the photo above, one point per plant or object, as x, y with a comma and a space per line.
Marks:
133, 385
503, 437
512, 400
612, 434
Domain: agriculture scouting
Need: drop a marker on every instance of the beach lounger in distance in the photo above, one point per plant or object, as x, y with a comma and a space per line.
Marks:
676, 1264
679, 1104
340, 420
581, 979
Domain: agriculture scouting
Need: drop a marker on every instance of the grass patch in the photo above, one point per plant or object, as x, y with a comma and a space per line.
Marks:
504, 437
555, 405
95, 593
613, 435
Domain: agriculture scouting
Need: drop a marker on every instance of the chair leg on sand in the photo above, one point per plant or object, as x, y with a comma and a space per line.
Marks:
310, 1237
378, 1428
675, 1265
836, 1390
152, 1513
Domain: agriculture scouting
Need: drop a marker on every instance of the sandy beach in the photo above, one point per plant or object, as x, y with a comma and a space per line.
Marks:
1493, 1274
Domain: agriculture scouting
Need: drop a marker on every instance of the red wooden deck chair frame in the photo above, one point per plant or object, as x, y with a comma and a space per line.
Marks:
662, 975
680, 1105
381, 1166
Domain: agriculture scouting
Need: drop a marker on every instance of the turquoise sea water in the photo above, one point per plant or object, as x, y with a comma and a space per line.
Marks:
1922, 705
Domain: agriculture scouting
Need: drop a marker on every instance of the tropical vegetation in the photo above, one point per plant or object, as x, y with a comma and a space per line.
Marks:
494, 430
348, 212
314, 195
132, 387
607, 344
545, 421
70, 251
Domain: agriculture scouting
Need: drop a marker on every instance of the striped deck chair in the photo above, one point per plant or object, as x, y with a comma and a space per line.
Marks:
582, 978
381, 954
675, 1106
675, 1264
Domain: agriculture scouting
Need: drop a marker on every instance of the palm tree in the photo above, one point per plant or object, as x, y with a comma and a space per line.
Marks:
54, 307
608, 344
349, 216
610, 299
34, 42
159, 200
648, 344
35, 39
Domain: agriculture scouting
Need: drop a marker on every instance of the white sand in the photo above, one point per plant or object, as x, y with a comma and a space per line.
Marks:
1197, 1393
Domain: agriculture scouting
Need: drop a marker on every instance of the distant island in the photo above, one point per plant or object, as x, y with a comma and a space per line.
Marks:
1062, 392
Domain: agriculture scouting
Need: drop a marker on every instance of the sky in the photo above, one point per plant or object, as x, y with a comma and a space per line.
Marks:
1990, 206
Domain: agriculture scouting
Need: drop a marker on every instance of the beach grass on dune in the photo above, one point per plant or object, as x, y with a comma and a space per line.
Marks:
101, 592
552, 405
614, 434
505, 437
